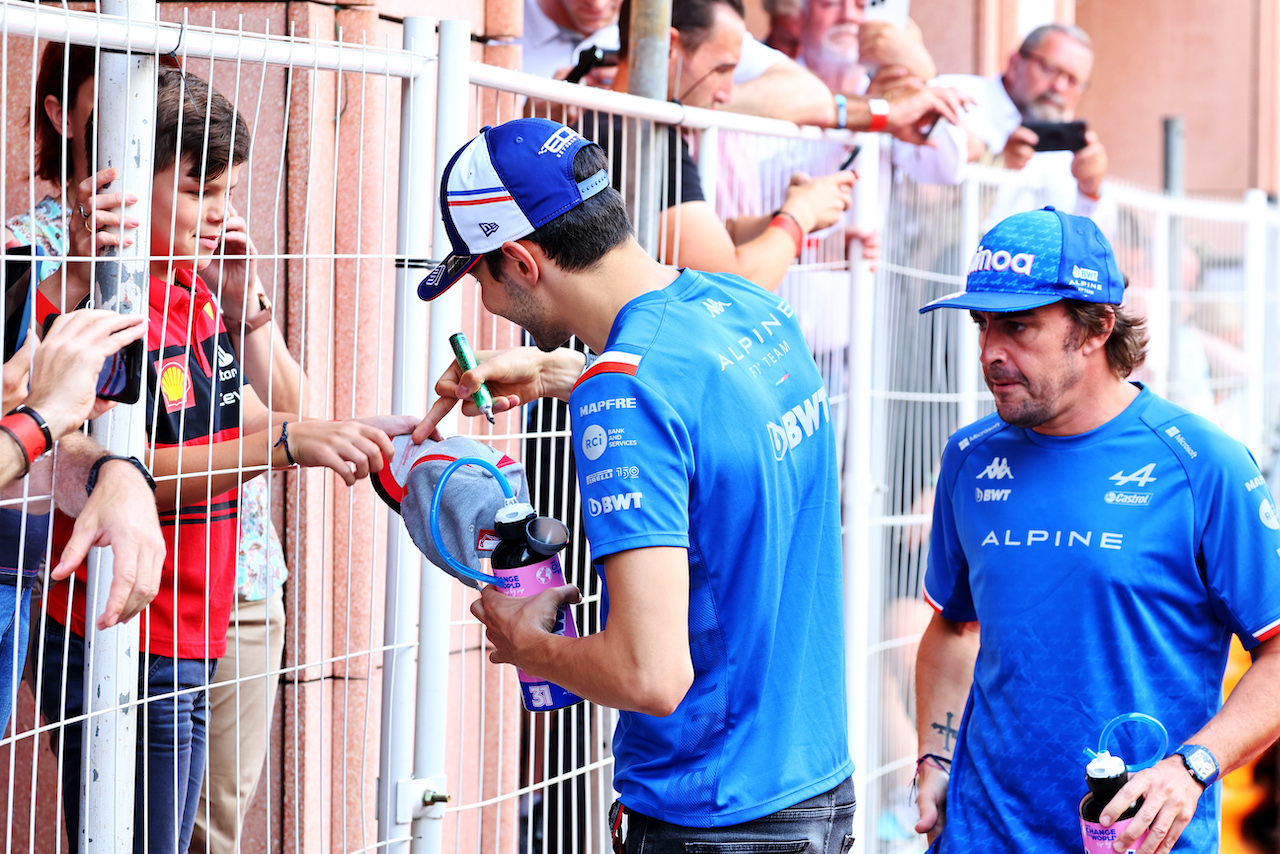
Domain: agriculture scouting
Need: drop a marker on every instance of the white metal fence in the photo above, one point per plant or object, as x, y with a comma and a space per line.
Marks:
387, 701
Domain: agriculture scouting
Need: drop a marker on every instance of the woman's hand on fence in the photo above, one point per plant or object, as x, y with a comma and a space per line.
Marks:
97, 217
513, 377
97, 220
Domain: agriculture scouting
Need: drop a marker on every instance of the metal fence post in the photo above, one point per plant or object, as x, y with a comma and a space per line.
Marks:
400, 797
969, 369
126, 142
860, 565
436, 591
1255, 317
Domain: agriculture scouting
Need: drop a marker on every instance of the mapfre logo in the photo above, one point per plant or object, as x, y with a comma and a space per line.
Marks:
614, 503
798, 423
1001, 260
998, 469
559, 141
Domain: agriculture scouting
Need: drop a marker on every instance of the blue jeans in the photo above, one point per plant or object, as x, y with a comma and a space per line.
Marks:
820, 825
171, 740
15, 617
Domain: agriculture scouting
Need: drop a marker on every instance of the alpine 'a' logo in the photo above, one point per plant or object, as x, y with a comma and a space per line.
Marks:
998, 469
1141, 476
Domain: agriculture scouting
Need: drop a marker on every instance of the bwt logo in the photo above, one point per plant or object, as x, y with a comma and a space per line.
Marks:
1084, 273
798, 423
614, 503
1001, 260
981, 495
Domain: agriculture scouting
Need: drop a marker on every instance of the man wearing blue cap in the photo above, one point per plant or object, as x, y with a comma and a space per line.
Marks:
1109, 544
707, 469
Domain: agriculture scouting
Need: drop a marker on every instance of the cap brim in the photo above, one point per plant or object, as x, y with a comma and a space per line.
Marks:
445, 275
991, 301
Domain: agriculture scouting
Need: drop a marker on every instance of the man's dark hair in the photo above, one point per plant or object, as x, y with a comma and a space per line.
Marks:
577, 239
1126, 347
692, 18
53, 157
206, 117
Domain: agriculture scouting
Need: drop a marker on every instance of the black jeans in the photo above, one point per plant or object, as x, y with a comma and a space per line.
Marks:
821, 825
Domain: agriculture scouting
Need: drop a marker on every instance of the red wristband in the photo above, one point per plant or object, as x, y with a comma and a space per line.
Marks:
879, 114
791, 226
27, 431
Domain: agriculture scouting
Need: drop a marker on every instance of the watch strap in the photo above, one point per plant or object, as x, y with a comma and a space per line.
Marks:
106, 458
263, 316
1193, 754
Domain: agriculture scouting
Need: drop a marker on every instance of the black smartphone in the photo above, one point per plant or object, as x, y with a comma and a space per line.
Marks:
121, 376
589, 58
1058, 136
848, 161
18, 265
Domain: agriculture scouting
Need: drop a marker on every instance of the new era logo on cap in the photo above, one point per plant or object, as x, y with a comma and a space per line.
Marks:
500, 186
1036, 258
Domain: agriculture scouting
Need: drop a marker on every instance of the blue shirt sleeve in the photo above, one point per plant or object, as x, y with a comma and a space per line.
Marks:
635, 464
946, 580
1239, 533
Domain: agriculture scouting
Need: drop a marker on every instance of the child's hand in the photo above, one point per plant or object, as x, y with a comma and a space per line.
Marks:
233, 274
97, 221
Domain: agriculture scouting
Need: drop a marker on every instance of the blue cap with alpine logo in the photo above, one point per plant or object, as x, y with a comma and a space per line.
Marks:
1037, 258
503, 185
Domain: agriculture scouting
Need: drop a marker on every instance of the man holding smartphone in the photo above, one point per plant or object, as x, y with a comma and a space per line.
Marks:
1025, 119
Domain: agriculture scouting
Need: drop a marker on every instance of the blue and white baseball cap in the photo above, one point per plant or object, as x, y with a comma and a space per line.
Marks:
503, 185
1037, 258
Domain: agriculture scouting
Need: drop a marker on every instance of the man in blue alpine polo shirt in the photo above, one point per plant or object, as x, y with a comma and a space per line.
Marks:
706, 462
1109, 544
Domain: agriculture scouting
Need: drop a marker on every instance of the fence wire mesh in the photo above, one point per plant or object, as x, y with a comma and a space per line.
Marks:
318, 195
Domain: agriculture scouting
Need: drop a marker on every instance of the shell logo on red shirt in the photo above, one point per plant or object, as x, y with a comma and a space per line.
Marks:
175, 385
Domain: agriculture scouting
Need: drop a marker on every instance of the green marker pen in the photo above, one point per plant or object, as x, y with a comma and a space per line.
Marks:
467, 361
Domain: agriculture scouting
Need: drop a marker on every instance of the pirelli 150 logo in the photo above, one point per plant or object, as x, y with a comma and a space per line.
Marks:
799, 423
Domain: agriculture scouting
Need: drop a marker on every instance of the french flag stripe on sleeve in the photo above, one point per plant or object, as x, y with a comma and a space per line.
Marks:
612, 362
1268, 631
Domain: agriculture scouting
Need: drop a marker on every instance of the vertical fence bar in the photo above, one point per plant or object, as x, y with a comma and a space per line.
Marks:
436, 590
969, 367
405, 565
1255, 318
859, 487
1160, 322
708, 161
126, 141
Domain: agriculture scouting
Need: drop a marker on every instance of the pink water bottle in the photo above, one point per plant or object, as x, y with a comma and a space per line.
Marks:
1106, 775
526, 562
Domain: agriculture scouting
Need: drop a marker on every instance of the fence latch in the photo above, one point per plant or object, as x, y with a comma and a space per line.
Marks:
421, 799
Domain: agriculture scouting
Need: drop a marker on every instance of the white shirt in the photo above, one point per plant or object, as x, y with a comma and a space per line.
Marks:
1047, 178
548, 47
